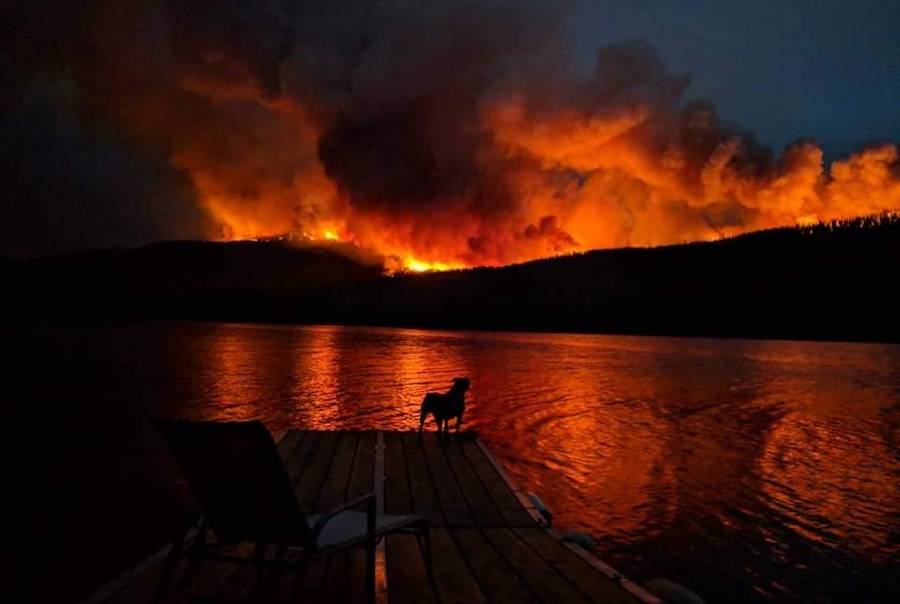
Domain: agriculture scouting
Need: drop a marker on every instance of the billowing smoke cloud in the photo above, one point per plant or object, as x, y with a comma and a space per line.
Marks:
438, 133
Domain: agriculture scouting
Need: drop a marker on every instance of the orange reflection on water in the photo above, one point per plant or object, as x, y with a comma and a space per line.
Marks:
316, 381
747, 467
235, 387
832, 480
634, 440
602, 450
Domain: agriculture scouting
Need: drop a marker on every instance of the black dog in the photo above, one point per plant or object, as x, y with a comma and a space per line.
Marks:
444, 406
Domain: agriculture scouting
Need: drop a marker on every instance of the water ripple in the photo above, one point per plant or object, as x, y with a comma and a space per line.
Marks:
750, 471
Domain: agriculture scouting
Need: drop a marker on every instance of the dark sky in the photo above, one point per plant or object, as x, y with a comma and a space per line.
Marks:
786, 69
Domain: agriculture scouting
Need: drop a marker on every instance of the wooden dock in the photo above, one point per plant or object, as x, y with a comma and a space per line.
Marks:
488, 543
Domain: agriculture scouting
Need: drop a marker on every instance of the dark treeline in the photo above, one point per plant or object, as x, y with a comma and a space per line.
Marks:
832, 281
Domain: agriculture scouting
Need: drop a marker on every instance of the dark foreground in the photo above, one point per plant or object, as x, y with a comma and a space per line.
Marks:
749, 471
487, 546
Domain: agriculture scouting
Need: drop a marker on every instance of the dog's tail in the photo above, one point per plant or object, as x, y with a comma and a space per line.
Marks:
423, 412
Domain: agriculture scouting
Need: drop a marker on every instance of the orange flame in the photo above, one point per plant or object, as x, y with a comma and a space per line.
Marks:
485, 145
619, 193
445, 168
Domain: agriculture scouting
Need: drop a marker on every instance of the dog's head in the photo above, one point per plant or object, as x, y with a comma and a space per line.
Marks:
461, 383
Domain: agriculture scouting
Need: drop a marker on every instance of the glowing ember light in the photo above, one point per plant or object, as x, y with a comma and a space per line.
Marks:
477, 172
577, 187
495, 142
419, 266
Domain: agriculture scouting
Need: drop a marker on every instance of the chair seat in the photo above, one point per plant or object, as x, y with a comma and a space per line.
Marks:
351, 526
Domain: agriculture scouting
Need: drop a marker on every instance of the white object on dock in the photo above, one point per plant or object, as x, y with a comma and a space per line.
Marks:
540, 507
582, 539
672, 592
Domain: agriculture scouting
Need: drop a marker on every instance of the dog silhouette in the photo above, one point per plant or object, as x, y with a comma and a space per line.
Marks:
444, 406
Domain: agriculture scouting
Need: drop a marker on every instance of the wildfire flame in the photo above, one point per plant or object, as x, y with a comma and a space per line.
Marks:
412, 264
609, 160
440, 137
623, 197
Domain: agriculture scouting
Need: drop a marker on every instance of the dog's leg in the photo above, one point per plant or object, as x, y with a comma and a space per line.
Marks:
423, 414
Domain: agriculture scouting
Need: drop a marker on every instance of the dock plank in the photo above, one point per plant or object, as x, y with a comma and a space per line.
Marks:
344, 579
363, 473
452, 576
299, 586
424, 497
450, 497
482, 506
288, 442
312, 479
408, 580
593, 584
337, 479
506, 501
546, 582
494, 575
397, 498
486, 547
302, 455
285, 585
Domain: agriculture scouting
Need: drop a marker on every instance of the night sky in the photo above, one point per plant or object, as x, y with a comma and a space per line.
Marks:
124, 123
827, 69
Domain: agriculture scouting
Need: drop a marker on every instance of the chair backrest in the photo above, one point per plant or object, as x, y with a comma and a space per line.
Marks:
238, 479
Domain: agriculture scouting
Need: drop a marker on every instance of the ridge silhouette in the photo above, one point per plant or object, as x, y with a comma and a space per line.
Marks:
827, 281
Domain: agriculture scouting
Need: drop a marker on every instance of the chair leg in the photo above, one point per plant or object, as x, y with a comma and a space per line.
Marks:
370, 551
424, 541
169, 568
370, 574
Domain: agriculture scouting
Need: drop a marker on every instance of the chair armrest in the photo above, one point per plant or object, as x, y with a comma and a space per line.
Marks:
321, 522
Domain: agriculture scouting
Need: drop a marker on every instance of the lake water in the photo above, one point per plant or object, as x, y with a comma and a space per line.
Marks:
746, 470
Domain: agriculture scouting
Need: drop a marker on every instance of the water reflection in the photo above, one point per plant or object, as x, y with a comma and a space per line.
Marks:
237, 385
748, 470
833, 480
317, 367
773, 452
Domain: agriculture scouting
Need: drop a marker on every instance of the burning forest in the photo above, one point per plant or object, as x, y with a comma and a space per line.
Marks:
427, 133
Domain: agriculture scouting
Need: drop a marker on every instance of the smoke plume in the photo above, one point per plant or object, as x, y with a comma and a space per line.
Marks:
436, 134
